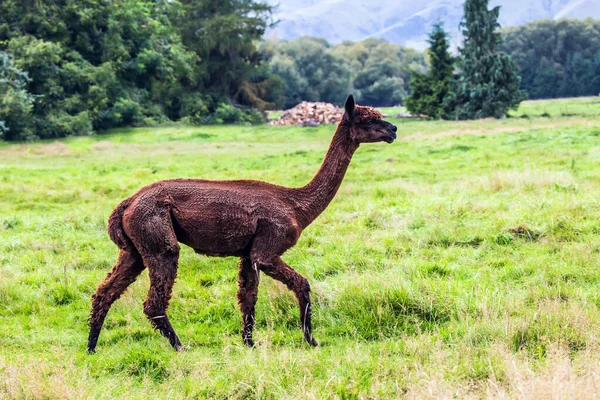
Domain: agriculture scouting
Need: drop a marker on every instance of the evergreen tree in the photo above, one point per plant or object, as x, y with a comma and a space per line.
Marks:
487, 84
430, 91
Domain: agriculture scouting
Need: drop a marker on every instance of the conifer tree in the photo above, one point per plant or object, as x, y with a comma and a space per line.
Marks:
430, 91
487, 84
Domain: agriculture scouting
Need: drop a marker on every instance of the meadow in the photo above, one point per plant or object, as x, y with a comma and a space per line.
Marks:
460, 261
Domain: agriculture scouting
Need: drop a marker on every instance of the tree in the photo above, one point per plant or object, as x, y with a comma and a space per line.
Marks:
382, 79
224, 35
94, 64
487, 84
311, 69
380, 70
556, 58
429, 92
308, 70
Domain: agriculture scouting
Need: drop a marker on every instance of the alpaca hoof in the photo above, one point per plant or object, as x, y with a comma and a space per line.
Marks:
249, 342
311, 340
91, 351
180, 347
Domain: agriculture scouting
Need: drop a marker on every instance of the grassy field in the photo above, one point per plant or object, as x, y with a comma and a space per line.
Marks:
461, 261
582, 106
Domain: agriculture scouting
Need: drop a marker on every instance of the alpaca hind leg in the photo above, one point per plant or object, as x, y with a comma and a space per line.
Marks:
162, 269
247, 295
279, 270
126, 270
150, 228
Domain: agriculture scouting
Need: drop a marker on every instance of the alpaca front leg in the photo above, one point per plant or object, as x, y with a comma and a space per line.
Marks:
279, 270
247, 296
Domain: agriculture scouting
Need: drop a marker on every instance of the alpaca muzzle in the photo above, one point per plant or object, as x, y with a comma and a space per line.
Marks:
391, 134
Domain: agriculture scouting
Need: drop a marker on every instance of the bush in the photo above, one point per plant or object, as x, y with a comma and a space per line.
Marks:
127, 112
253, 116
228, 114
15, 114
63, 124
194, 110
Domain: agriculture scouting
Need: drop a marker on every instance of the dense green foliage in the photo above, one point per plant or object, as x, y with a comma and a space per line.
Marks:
460, 262
556, 58
380, 71
308, 71
223, 34
97, 64
311, 69
16, 103
429, 91
487, 83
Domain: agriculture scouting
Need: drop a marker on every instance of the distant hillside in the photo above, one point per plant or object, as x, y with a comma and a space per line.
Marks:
406, 22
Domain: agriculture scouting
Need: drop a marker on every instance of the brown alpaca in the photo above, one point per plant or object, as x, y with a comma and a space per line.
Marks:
253, 220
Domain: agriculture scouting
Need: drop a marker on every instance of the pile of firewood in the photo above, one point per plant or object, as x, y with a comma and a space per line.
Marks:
310, 114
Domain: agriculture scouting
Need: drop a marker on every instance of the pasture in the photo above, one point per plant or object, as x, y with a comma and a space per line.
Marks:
462, 260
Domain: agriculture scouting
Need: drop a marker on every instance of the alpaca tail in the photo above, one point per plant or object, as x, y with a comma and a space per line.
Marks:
115, 225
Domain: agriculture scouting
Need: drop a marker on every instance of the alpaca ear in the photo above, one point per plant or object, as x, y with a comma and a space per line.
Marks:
350, 105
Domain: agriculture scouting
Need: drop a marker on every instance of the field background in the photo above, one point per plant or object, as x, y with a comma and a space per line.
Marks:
460, 261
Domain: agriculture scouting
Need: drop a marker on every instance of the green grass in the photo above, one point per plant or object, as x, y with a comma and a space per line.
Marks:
273, 115
462, 260
391, 112
582, 106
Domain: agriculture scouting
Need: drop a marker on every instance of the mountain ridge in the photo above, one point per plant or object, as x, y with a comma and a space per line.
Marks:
403, 22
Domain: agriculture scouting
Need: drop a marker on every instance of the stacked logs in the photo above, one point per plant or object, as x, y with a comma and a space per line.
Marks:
310, 114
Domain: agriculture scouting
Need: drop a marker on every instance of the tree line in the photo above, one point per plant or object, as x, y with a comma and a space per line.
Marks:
556, 58
71, 67
310, 69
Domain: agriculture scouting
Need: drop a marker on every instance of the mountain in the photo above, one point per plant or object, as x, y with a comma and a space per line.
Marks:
406, 22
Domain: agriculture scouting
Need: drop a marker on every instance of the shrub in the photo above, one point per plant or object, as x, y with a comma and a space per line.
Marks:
228, 114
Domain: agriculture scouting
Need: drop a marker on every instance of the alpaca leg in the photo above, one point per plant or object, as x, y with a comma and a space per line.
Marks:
127, 269
247, 295
279, 270
150, 228
162, 269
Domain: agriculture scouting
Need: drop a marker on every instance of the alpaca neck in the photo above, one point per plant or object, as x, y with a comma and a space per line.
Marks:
313, 198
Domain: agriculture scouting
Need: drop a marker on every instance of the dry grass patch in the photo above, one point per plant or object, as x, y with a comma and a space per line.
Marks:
39, 380
562, 378
526, 181
51, 149
103, 146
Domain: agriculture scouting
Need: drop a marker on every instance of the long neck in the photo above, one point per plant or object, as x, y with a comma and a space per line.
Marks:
313, 198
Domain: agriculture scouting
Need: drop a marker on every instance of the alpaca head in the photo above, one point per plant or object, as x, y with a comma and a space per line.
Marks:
366, 124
